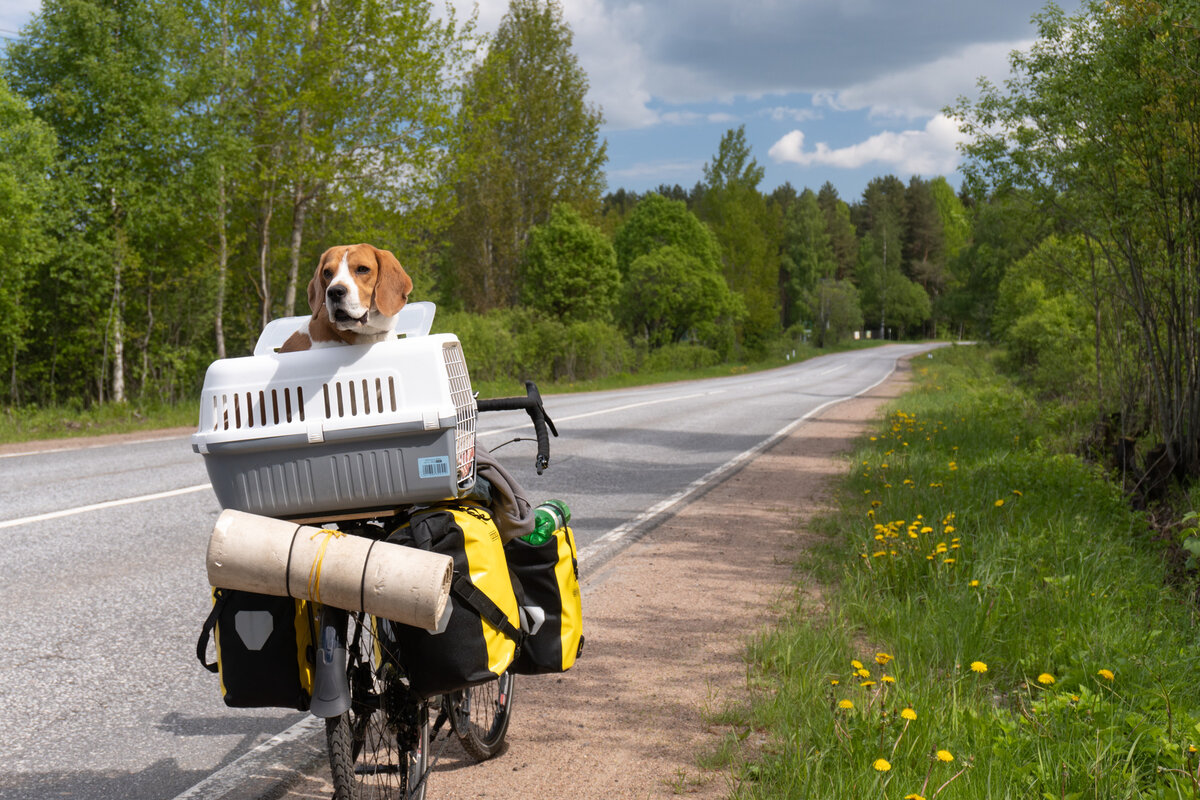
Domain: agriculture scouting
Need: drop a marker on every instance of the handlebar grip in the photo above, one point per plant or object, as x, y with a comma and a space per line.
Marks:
532, 405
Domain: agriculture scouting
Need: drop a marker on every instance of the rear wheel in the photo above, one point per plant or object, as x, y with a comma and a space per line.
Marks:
480, 714
379, 749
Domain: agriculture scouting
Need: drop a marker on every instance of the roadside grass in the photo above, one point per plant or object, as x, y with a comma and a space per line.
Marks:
998, 624
29, 423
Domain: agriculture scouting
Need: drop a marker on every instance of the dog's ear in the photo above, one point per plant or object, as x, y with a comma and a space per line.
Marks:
316, 287
393, 285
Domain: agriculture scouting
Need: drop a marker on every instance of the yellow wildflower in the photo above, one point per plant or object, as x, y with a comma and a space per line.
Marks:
1106, 674
908, 714
914, 796
856, 663
999, 503
978, 666
881, 765
867, 684
944, 755
1046, 678
882, 658
888, 679
973, 583
846, 704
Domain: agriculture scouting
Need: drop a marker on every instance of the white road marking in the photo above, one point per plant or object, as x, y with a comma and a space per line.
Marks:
68, 512
91, 446
612, 410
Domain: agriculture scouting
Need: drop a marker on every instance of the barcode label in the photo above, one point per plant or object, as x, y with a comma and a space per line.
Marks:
437, 467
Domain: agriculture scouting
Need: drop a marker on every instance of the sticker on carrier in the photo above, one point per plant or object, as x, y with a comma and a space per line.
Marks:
437, 467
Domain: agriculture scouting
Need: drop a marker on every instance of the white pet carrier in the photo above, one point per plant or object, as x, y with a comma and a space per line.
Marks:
340, 431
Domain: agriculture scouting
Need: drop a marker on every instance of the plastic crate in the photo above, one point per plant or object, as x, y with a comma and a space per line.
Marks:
340, 431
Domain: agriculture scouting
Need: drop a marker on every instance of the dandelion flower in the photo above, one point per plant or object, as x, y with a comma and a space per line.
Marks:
834, 682
863, 673
845, 705
856, 663
1046, 678
882, 658
1191, 748
1106, 674
914, 796
1017, 492
908, 714
944, 755
881, 765
888, 679
979, 666
973, 583
867, 684
999, 502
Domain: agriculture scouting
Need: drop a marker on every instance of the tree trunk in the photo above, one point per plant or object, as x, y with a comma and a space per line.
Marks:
118, 337
299, 212
264, 250
222, 264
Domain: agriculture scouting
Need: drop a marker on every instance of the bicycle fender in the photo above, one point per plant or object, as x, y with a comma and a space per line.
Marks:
331, 688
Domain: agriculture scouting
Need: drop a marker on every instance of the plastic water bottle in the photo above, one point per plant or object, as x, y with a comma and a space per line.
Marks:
547, 518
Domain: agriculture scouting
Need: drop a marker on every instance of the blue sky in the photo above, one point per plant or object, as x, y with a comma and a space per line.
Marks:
828, 90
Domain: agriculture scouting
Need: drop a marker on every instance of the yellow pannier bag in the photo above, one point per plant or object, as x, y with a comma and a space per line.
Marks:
551, 605
482, 635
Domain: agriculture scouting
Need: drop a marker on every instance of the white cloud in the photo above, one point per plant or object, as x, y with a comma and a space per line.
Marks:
781, 113
925, 89
931, 151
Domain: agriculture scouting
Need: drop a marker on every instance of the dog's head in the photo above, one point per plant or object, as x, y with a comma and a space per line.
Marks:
361, 287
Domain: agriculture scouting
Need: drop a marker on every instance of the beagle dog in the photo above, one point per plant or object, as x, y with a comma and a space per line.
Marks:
355, 295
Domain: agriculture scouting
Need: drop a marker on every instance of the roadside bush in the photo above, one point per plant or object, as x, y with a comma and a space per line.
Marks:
680, 356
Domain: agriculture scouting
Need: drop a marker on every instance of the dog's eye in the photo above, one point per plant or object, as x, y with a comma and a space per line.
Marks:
362, 270
327, 274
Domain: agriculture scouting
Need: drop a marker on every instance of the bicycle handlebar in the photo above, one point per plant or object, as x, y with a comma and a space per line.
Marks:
532, 405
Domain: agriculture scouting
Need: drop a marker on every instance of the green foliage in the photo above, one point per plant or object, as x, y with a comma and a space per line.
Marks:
670, 296
658, 222
570, 269
1097, 125
1041, 320
807, 253
1001, 593
681, 356
834, 310
748, 232
530, 141
524, 345
28, 152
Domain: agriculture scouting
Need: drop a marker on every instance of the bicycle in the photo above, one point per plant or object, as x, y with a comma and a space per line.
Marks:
379, 747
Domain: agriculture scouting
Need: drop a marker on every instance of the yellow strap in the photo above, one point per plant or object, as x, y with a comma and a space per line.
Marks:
314, 571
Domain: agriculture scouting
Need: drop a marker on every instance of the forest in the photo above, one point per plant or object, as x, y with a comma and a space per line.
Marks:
170, 171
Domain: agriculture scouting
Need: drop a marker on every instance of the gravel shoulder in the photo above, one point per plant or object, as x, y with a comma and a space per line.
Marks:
667, 621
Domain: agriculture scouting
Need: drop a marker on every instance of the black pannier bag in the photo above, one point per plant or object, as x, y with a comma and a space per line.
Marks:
264, 649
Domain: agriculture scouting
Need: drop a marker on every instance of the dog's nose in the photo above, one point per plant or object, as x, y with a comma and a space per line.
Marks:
335, 292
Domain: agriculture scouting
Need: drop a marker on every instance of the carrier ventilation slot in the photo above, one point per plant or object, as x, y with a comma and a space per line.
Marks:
465, 409
261, 409
359, 397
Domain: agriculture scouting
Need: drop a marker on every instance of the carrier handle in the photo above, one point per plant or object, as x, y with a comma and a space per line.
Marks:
532, 405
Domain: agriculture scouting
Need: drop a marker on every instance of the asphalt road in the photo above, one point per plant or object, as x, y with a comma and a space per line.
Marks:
104, 584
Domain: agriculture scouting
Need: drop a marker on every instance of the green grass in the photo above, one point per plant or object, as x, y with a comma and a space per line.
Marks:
23, 424
961, 540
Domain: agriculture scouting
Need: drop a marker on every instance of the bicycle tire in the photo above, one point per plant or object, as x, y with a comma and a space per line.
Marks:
379, 749
479, 716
